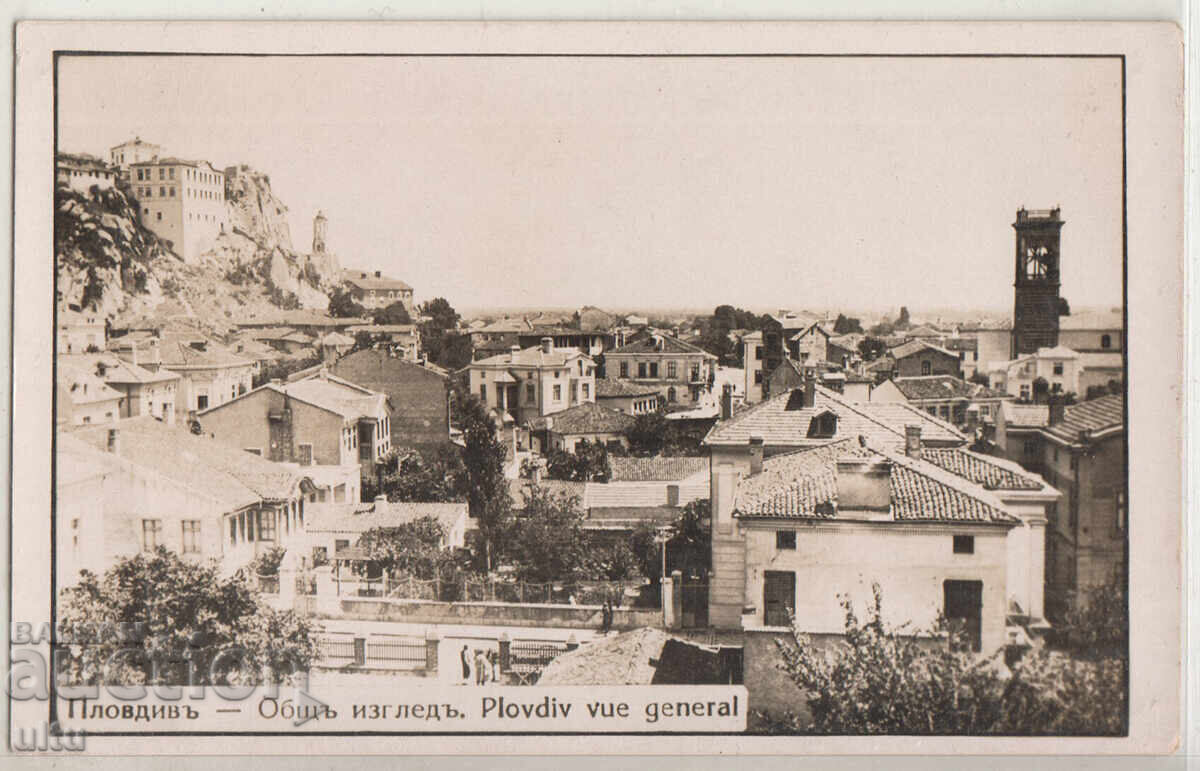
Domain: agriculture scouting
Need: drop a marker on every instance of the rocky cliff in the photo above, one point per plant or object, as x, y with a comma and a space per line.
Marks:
107, 259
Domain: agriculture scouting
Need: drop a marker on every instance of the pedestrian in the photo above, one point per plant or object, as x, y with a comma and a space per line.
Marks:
494, 661
480, 669
605, 617
466, 666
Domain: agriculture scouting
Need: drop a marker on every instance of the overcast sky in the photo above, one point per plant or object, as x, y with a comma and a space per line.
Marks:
761, 182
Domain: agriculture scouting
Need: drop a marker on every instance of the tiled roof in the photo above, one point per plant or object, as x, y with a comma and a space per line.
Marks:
372, 283
658, 468
916, 346
589, 418
780, 421
803, 485
924, 331
531, 357
384, 329
173, 161
990, 473
337, 395
229, 474
504, 325
1095, 416
610, 387
1101, 320
361, 517
112, 369
884, 363
922, 387
333, 338
84, 386
179, 351
650, 345
1025, 415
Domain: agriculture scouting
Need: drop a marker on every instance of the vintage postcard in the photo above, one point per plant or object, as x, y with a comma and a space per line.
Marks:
754, 388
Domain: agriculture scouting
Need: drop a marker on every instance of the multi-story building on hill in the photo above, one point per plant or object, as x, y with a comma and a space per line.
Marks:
375, 290
181, 201
135, 150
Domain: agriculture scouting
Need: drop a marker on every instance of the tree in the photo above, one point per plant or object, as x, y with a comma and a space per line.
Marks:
589, 463
903, 321
413, 548
647, 434
689, 544
486, 487
429, 475
548, 542
883, 680
182, 612
613, 561
343, 305
644, 544
441, 314
871, 348
395, 313
846, 325
884, 328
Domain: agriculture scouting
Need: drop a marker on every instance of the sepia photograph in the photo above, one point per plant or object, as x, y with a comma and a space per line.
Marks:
763, 395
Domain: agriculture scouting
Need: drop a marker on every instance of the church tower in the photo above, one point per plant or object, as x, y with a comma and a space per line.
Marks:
1035, 310
319, 234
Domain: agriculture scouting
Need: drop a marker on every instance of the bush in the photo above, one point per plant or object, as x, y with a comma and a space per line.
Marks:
267, 563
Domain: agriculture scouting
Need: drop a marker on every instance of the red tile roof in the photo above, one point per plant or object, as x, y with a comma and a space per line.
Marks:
589, 418
1097, 416
990, 473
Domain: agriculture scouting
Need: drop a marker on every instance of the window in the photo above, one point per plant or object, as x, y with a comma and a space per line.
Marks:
586, 391
306, 454
139, 175
758, 377
671, 370
87, 419
654, 369
266, 526
557, 392
162, 173
624, 369
483, 392
964, 544
1030, 446
785, 539
151, 528
339, 545
1025, 392
158, 216
1105, 341
171, 191
191, 536
926, 368
171, 173
162, 192
641, 369
530, 393
202, 402
758, 351
232, 531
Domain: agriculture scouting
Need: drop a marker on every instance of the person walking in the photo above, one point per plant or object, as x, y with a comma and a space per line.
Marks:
480, 668
466, 665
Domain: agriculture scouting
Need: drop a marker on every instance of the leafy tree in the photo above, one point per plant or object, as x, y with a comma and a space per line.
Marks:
613, 561
882, 329
883, 680
647, 434
413, 548
343, 305
548, 542
871, 348
486, 486
643, 542
454, 351
429, 475
846, 325
589, 463
183, 612
267, 563
441, 314
395, 313
689, 545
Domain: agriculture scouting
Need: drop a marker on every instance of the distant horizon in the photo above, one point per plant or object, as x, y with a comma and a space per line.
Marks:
763, 183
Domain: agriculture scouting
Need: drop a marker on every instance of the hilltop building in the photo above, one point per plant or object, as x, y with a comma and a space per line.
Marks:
375, 291
135, 150
182, 202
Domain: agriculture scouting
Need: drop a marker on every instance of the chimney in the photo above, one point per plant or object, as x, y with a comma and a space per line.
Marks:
727, 401
756, 454
514, 352
379, 274
1057, 411
912, 441
114, 441
547, 344
810, 391
864, 485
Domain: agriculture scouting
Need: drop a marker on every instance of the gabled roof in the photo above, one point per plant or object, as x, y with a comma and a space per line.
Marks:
84, 387
814, 327
233, 476
927, 387
587, 418
925, 330
333, 338
532, 357
803, 485
917, 346
613, 388
989, 472
381, 283
504, 325
111, 369
177, 350
651, 343
1093, 418
655, 469
336, 395
781, 421
361, 517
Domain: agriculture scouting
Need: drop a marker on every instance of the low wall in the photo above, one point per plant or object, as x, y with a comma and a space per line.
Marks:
490, 613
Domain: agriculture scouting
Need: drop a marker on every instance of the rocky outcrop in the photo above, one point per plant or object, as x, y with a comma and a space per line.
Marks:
106, 259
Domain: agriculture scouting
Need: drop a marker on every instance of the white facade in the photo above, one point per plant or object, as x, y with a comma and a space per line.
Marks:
182, 202
1059, 367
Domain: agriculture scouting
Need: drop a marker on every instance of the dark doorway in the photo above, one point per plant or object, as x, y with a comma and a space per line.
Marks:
366, 438
964, 609
779, 597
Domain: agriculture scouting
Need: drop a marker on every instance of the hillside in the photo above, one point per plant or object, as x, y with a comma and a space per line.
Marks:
105, 258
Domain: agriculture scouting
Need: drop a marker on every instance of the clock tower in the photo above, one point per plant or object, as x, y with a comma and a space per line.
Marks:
1035, 310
